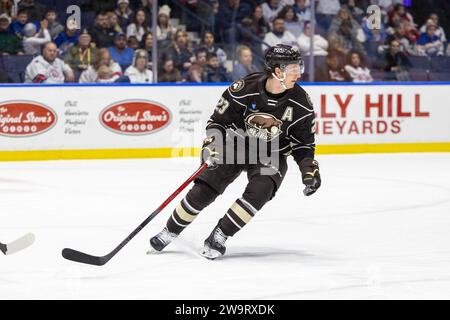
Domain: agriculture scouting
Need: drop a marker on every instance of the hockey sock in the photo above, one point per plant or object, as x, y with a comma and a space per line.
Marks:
198, 198
239, 214
258, 192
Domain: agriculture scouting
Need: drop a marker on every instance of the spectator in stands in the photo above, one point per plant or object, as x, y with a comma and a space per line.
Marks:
139, 26
303, 12
138, 72
231, 12
103, 58
68, 38
245, 64
124, 13
133, 43
8, 7
434, 18
35, 10
105, 74
345, 39
209, 43
9, 43
102, 34
215, 72
278, 35
168, 72
332, 70
54, 27
398, 13
356, 67
257, 23
181, 52
400, 35
120, 52
374, 38
304, 42
20, 22
397, 63
113, 22
47, 68
165, 30
356, 9
83, 54
429, 43
326, 10
197, 72
206, 10
291, 22
147, 45
345, 15
33, 40
271, 9
146, 6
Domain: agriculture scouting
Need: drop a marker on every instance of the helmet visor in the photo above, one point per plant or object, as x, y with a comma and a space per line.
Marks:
295, 69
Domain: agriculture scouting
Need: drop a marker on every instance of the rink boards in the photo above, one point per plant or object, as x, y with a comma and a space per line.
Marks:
142, 121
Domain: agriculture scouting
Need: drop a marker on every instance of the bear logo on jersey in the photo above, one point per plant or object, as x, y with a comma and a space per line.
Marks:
263, 126
237, 86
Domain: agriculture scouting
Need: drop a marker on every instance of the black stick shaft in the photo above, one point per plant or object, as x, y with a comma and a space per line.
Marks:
81, 257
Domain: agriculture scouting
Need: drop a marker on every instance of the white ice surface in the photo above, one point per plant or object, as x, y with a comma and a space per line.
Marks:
379, 228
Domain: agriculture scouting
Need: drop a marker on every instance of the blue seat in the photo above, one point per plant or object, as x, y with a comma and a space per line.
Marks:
440, 64
15, 66
419, 75
440, 76
420, 63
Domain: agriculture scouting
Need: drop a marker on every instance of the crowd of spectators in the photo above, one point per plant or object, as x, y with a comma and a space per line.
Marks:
232, 35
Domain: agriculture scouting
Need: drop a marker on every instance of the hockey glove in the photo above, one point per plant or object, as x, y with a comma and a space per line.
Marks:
210, 154
310, 175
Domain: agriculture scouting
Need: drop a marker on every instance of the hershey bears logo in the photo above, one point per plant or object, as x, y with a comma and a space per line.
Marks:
263, 126
237, 86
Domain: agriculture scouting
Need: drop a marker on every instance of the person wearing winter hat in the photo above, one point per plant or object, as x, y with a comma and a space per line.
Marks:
124, 13
164, 29
34, 40
138, 72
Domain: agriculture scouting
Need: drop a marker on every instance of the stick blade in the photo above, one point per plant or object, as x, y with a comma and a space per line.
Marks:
77, 256
19, 244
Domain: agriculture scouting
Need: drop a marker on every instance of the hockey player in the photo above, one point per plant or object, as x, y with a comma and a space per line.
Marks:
268, 106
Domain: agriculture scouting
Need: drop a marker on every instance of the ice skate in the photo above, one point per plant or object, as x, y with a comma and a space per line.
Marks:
161, 240
215, 244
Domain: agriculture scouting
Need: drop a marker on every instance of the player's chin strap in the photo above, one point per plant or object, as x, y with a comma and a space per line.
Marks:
281, 79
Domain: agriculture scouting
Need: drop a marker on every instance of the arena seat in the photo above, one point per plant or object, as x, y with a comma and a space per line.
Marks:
15, 66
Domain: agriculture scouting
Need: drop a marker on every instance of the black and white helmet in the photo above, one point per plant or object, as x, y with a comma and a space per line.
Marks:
280, 56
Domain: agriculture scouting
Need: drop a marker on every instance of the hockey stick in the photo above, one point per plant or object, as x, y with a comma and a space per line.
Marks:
81, 257
17, 245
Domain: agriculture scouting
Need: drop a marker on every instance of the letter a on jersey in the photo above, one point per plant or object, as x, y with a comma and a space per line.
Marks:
287, 115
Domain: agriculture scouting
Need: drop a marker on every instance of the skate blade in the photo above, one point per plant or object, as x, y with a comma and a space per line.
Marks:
210, 254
